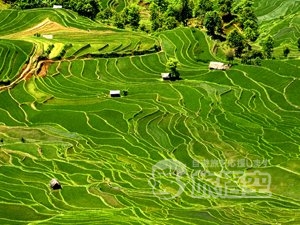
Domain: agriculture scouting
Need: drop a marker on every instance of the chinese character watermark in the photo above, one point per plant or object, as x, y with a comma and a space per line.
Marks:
238, 163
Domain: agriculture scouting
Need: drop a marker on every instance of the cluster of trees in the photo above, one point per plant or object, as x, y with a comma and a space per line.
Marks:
215, 14
268, 47
255, 56
163, 15
47, 52
88, 8
250, 57
166, 16
221, 16
226, 20
130, 16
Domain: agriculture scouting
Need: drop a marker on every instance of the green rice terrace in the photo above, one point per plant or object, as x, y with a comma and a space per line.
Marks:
215, 147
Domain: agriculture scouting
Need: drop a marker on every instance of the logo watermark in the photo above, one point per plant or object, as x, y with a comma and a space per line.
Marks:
170, 179
166, 181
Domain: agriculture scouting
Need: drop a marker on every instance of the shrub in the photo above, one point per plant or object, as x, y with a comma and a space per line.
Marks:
286, 52
82, 48
49, 49
257, 61
144, 28
5, 82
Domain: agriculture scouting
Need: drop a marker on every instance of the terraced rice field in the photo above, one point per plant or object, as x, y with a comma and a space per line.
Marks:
67, 28
108, 153
281, 19
117, 5
13, 55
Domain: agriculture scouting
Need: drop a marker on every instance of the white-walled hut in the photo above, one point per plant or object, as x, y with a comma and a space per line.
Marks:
57, 7
48, 36
166, 76
218, 66
54, 184
115, 93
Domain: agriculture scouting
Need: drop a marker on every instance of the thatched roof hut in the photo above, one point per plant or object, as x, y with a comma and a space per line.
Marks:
54, 184
218, 66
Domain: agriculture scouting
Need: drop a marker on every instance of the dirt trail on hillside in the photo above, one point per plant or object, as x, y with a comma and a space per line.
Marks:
42, 68
45, 27
27, 70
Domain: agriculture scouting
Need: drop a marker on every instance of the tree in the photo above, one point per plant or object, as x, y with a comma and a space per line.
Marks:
170, 23
257, 61
213, 23
143, 27
203, 7
248, 3
256, 54
118, 21
106, 14
251, 34
154, 11
172, 11
155, 16
245, 59
134, 16
286, 52
162, 4
268, 47
156, 24
247, 14
251, 24
88, 8
247, 19
229, 55
298, 42
186, 11
131, 15
236, 41
171, 65
225, 6
241, 5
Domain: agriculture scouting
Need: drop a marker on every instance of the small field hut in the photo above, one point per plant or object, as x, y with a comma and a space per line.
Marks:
47, 36
115, 93
54, 184
218, 66
57, 6
166, 76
